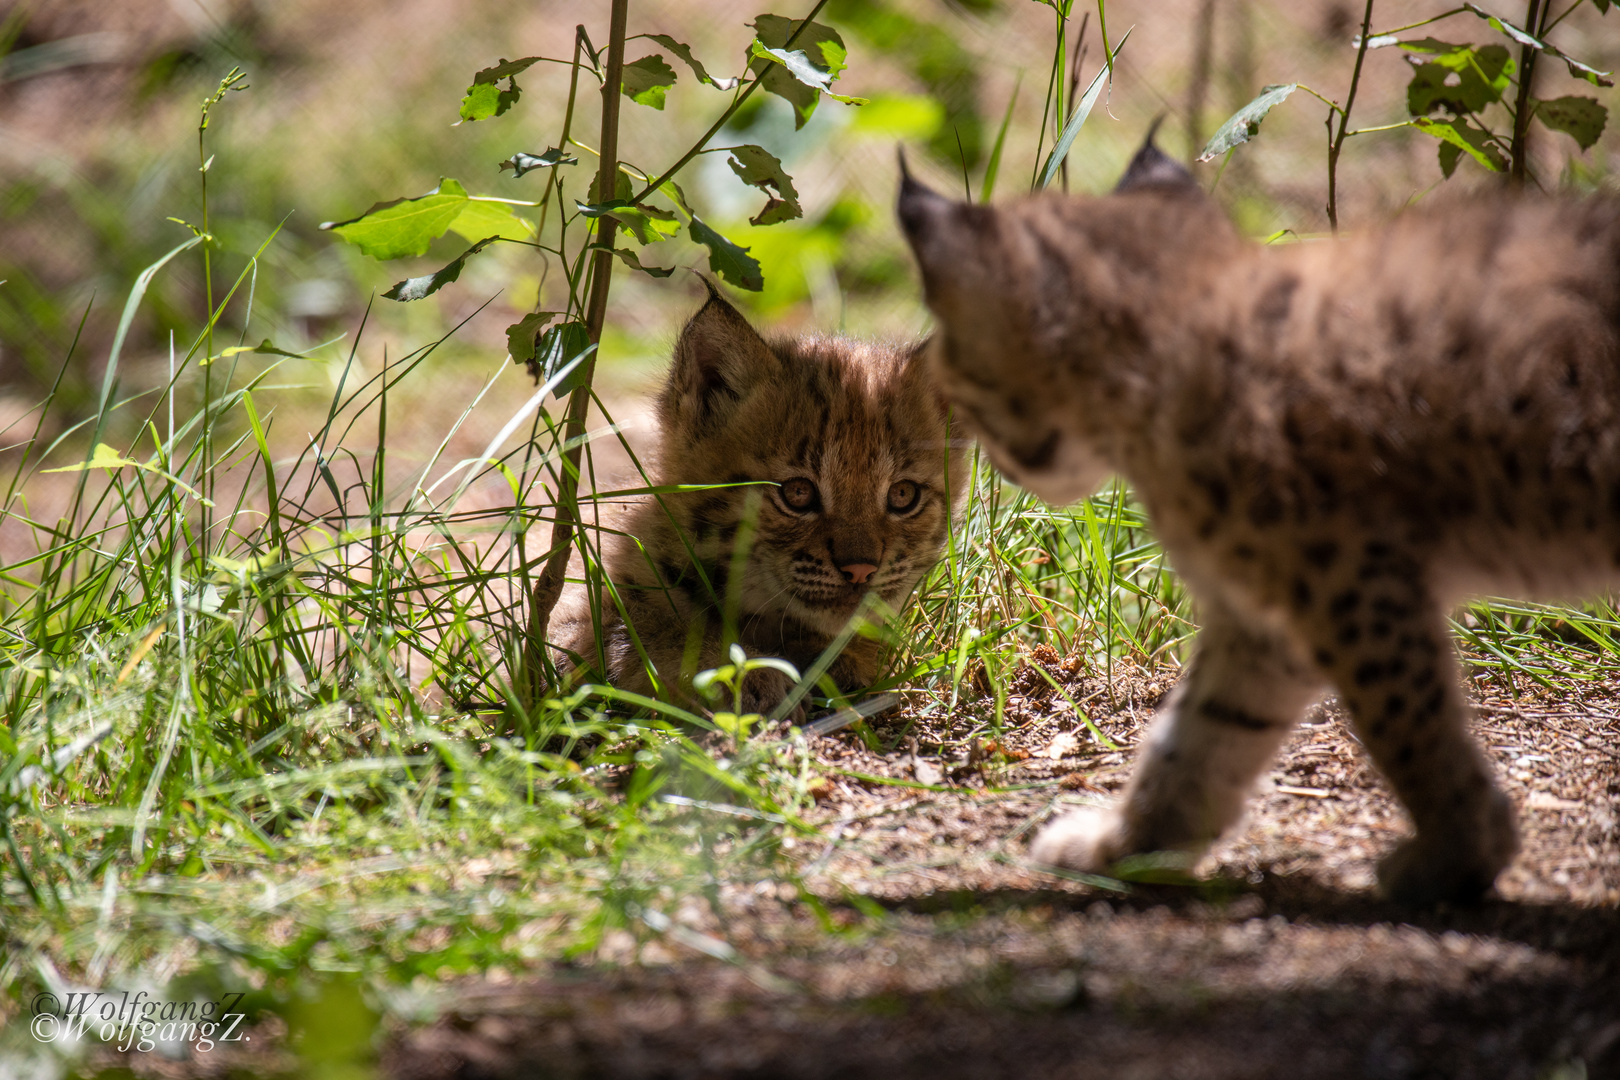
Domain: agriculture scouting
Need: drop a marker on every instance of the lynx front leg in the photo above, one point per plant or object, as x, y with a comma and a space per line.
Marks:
1393, 662
1241, 694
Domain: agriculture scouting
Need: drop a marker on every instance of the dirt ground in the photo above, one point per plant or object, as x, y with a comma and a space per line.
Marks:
1278, 962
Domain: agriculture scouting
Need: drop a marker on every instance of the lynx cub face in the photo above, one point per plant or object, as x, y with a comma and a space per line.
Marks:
1336, 443
847, 477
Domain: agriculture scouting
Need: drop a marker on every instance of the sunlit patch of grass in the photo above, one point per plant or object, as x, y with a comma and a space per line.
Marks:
257, 719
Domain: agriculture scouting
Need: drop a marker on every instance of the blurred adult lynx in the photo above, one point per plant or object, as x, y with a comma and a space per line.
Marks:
1335, 441
844, 478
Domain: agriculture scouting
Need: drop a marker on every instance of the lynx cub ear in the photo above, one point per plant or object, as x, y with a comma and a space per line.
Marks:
1153, 168
718, 359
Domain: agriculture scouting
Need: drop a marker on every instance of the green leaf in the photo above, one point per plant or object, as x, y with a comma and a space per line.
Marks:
1060, 149
776, 80
759, 168
1450, 154
646, 80
506, 69
802, 68
685, 53
647, 224
727, 259
633, 261
1244, 124
557, 347
1576, 68
819, 55
483, 101
1602, 6
670, 190
821, 43
522, 163
1466, 137
105, 457
987, 186
265, 347
523, 336
622, 189
1582, 118
484, 98
1463, 79
485, 217
417, 287
393, 230
1426, 45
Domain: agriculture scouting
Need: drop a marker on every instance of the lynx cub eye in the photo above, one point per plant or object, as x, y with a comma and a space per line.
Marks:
903, 495
800, 494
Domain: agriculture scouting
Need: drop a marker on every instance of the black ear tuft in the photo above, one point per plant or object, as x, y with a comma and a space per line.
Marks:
1153, 168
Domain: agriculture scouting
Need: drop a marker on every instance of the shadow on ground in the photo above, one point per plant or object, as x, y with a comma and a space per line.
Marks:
942, 954
1287, 980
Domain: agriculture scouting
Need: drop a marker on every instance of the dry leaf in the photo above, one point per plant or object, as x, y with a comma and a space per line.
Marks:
1062, 744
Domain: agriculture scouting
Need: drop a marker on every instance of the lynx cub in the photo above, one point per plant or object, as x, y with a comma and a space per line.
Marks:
860, 478
1336, 442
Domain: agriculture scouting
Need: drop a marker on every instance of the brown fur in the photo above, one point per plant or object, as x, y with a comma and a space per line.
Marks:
853, 418
1336, 441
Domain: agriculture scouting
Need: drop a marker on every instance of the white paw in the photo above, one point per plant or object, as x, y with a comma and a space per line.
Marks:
1085, 840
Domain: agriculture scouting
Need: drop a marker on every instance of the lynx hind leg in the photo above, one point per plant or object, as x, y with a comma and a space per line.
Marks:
1241, 694
1392, 659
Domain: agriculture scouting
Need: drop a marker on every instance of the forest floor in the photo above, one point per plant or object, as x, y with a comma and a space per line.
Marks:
940, 953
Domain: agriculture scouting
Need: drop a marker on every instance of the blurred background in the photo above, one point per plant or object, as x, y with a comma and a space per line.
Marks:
350, 104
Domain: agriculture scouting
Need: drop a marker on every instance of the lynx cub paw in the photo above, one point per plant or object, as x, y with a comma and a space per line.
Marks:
763, 690
1086, 840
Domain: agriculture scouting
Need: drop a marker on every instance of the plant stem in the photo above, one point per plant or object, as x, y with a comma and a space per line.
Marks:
1520, 147
1420, 22
552, 184
1198, 84
1054, 88
548, 589
1548, 24
1078, 55
1344, 122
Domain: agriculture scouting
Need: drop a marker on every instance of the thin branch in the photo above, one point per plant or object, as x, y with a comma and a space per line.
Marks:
1329, 102
1344, 122
548, 589
1548, 27
1520, 148
1420, 22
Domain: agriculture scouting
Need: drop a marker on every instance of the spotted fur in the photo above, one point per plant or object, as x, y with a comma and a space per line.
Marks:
846, 479
1336, 442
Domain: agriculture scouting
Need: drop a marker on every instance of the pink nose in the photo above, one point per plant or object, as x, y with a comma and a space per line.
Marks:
858, 572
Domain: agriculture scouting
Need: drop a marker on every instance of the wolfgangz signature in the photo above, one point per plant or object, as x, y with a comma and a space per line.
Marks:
137, 1021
